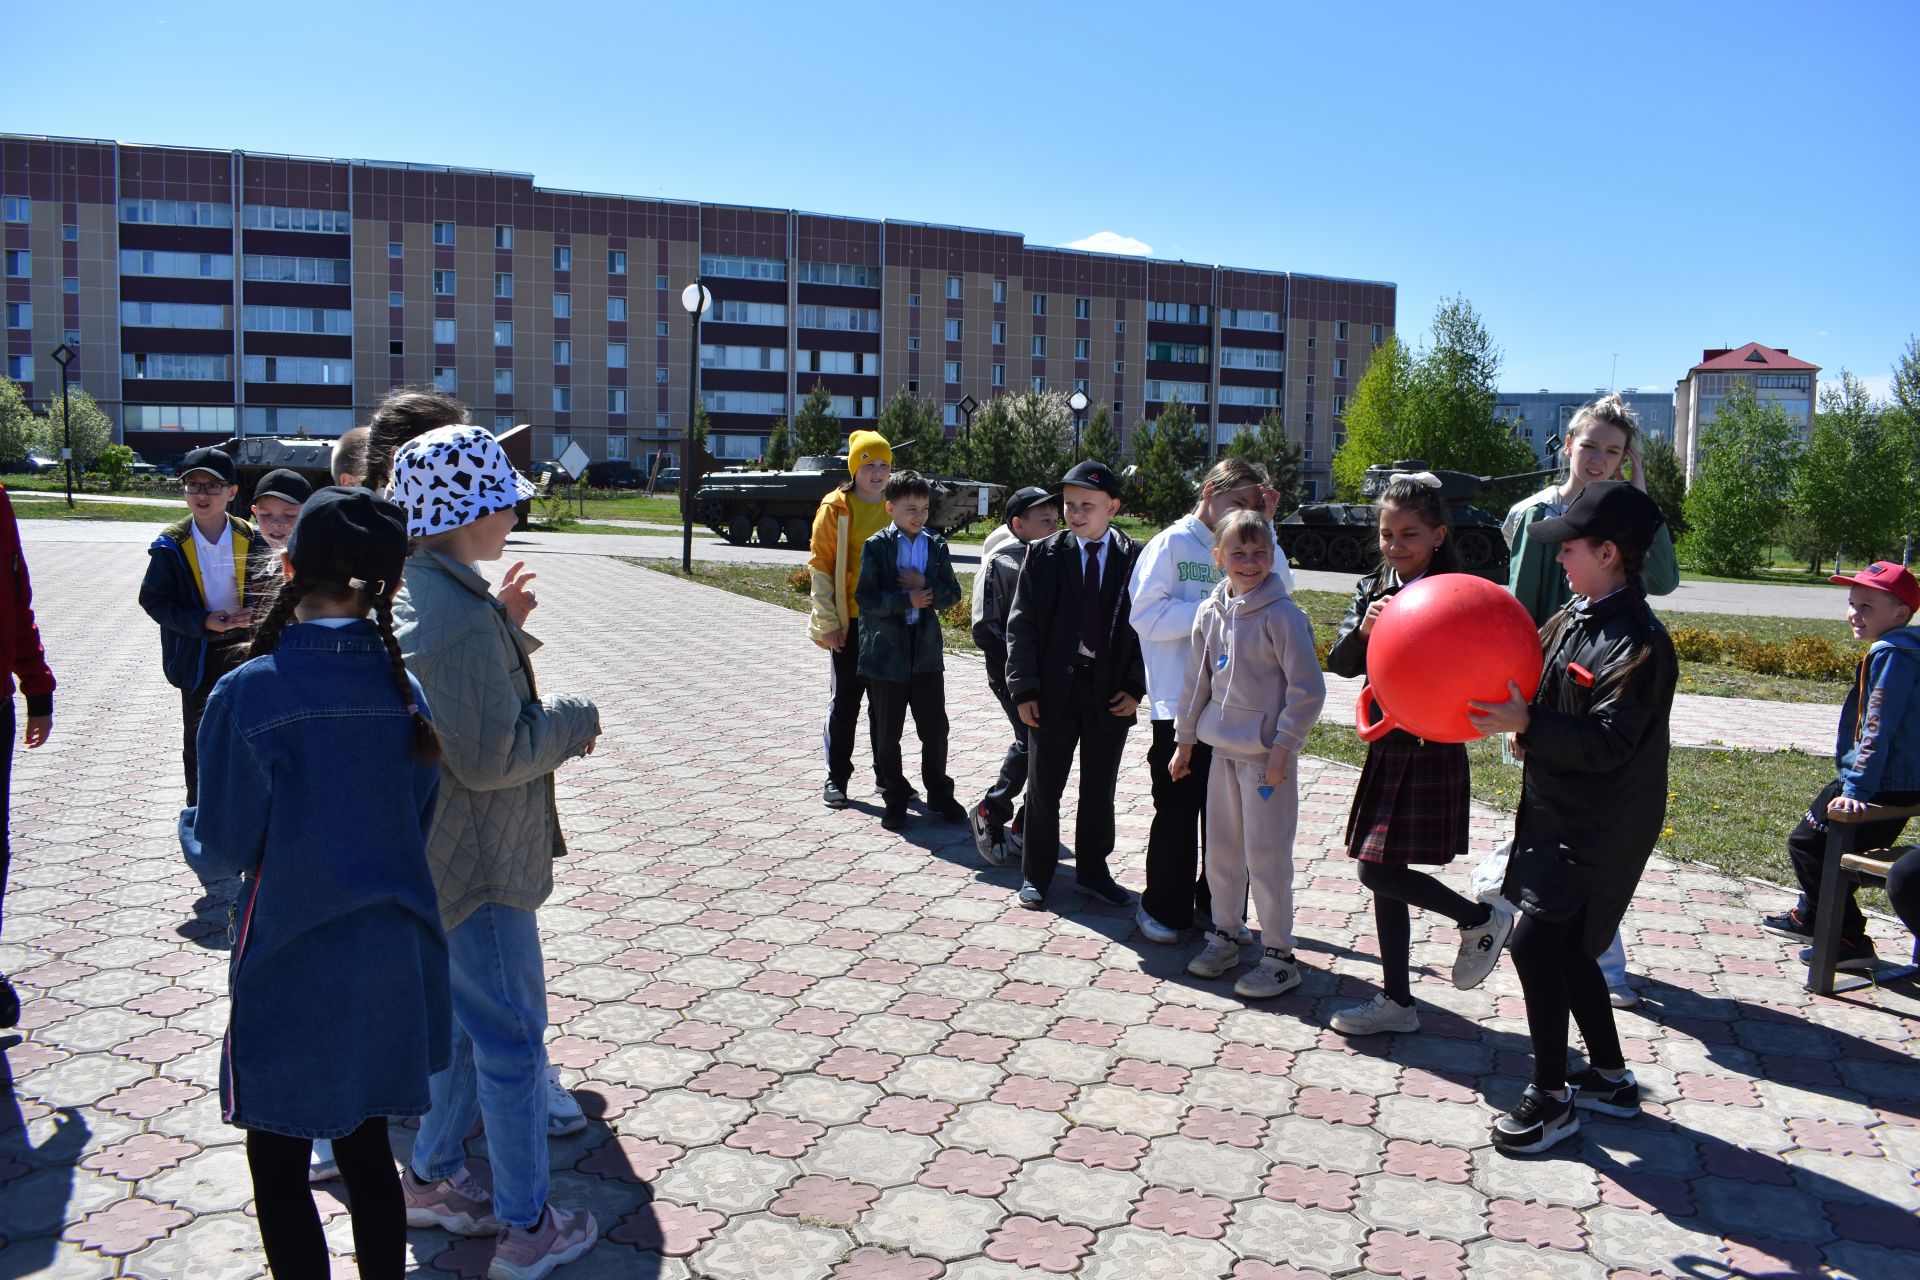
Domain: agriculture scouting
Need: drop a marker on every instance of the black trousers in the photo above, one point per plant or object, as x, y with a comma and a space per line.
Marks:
6, 800
1176, 889
1807, 846
1083, 723
1396, 889
843, 707
1006, 788
1903, 890
221, 658
290, 1225
1558, 978
888, 702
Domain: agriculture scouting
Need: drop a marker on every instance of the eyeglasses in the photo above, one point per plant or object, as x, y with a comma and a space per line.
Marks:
195, 486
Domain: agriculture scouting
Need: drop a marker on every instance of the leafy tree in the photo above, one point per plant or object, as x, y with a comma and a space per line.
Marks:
16, 427
1666, 483
1903, 421
114, 465
1848, 485
1741, 486
990, 445
1374, 413
1099, 441
702, 426
1042, 436
1267, 444
92, 430
908, 418
817, 432
779, 446
1167, 454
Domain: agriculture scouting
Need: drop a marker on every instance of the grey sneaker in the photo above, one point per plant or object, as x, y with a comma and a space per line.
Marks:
1377, 1016
1152, 930
1622, 996
1219, 955
564, 1115
1480, 946
321, 1166
560, 1237
458, 1204
992, 851
1275, 975
1031, 896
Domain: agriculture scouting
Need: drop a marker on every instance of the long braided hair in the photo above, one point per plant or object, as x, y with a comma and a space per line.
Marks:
426, 742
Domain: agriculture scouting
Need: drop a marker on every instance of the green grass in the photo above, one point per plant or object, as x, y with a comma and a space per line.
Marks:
140, 513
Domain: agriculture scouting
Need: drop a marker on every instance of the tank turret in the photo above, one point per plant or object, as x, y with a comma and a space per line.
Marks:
769, 507
254, 456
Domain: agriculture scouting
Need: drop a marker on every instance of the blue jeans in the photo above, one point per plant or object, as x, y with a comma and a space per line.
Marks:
1613, 961
499, 1063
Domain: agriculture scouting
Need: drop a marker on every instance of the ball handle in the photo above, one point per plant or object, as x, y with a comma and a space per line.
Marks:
1371, 730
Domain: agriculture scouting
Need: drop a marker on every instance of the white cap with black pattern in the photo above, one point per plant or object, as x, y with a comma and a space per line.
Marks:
451, 476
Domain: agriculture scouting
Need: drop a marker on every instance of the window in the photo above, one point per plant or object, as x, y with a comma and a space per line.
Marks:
562, 306
503, 382
660, 375
502, 422
1251, 358
1265, 397
744, 401
1309, 422
1309, 379
775, 313
71, 337
1181, 352
1083, 348
1309, 342
1080, 384
953, 371
1119, 366
396, 299
563, 399
396, 347
177, 213
1117, 407
1340, 407
203, 315
69, 232
16, 209
20, 368
662, 421
617, 355
953, 331
1339, 330
19, 315
660, 328
1240, 318
954, 284
1119, 326
1039, 384
503, 237
443, 283
999, 333
503, 284
913, 386
311, 370
616, 310
999, 378
277, 319
853, 406
182, 368
212, 419
282, 270
262, 217
736, 267
1177, 312
1083, 308
720, 357
840, 319
617, 266
1379, 334
562, 351
137, 262
843, 273
396, 250
1340, 367
443, 233
999, 290
1039, 346
617, 445
444, 380
617, 403
913, 344
562, 258
950, 415
503, 333
1188, 392
913, 299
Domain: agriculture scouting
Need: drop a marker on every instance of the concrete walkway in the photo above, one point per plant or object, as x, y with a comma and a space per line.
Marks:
815, 1049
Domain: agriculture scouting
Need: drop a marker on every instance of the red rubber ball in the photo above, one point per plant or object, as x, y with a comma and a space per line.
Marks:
1447, 640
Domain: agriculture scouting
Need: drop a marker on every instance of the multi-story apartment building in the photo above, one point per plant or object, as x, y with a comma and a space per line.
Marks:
1541, 417
1770, 371
211, 293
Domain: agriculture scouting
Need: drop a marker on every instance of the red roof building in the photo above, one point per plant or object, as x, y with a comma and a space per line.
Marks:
1770, 372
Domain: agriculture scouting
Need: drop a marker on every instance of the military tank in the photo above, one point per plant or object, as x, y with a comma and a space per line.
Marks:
1344, 536
254, 456
770, 507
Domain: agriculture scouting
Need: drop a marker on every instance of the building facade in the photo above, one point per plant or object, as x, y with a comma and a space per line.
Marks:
1771, 373
1541, 417
213, 293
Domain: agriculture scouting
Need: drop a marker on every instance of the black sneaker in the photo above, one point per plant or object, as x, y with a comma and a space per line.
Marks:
1107, 891
9, 1004
1540, 1121
1032, 897
949, 810
834, 796
1856, 954
1609, 1097
1791, 923
895, 817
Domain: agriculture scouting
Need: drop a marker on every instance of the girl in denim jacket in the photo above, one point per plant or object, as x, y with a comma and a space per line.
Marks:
337, 920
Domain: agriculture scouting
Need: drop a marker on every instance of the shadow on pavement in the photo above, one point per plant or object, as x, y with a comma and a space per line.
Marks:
36, 1183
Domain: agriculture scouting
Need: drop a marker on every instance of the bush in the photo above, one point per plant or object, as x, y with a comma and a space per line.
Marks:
114, 465
960, 615
1817, 658
1756, 656
801, 580
1695, 644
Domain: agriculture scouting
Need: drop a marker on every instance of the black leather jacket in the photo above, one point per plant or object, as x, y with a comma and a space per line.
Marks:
1043, 627
1348, 656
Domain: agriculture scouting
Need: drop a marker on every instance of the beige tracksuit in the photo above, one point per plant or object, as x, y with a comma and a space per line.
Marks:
1253, 682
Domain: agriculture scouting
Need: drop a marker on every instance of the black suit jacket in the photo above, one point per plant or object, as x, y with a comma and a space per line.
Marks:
1043, 626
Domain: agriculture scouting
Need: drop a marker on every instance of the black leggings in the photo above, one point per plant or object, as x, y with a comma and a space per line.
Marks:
1395, 888
290, 1224
1559, 978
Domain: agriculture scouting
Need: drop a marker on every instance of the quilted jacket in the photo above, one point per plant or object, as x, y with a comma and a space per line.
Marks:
497, 830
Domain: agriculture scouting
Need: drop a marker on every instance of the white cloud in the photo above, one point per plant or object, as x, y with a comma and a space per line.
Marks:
1879, 385
1112, 242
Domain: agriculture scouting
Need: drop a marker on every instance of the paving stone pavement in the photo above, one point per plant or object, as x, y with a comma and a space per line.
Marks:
815, 1049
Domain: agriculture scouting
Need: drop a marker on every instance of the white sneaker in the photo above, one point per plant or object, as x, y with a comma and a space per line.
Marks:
1376, 1016
564, 1115
322, 1167
1480, 946
1622, 996
1219, 955
1152, 930
1275, 974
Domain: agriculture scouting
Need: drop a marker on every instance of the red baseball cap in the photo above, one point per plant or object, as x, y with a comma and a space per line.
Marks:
1884, 575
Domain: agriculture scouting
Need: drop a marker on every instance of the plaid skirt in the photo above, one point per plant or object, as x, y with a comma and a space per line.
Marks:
1411, 804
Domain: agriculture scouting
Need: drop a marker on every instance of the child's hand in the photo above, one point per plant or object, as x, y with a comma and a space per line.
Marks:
515, 595
1512, 716
1123, 705
592, 742
1029, 714
1373, 615
912, 580
1843, 804
1279, 765
1182, 763
1514, 748
39, 729
224, 621
832, 640
920, 597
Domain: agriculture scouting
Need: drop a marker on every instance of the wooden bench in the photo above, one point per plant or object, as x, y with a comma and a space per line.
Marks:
1846, 866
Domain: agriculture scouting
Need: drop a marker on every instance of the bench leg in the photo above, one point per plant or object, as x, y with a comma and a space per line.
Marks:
1827, 912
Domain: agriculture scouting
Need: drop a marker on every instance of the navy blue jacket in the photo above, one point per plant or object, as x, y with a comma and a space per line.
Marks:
340, 1007
890, 649
172, 596
1880, 751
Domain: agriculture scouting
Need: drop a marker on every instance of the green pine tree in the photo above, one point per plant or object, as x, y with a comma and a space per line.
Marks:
1099, 441
779, 447
817, 432
1167, 454
1266, 444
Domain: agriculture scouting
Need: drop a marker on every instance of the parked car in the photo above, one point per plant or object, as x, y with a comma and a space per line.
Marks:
668, 481
37, 465
141, 467
612, 475
550, 471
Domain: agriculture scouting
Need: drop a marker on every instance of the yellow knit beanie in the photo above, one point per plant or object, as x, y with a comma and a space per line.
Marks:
867, 446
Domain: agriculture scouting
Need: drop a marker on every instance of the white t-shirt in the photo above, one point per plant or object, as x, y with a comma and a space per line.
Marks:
217, 578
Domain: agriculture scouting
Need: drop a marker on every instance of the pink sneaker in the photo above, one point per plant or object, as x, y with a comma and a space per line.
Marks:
459, 1204
562, 1236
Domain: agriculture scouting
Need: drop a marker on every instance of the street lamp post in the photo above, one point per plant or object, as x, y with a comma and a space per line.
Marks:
62, 356
696, 298
1078, 403
966, 407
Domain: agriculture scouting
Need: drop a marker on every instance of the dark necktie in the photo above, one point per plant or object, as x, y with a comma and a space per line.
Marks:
1090, 601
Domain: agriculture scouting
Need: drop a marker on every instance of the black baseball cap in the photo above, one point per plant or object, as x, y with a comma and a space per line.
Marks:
212, 460
1092, 475
1612, 510
352, 537
1021, 501
288, 486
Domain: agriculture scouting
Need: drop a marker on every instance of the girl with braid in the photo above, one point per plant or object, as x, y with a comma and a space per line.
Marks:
319, 776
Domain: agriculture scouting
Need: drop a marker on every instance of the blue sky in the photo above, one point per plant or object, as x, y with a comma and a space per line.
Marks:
1629, 180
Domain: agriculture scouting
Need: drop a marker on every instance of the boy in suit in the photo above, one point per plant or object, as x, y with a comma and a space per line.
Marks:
1075, 673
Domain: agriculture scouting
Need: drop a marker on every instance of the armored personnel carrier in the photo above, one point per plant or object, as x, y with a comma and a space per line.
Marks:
772, 506
254, 456
1343, 536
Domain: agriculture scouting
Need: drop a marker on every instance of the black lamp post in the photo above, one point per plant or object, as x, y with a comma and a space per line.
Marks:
62, 356
966, 407
1078, 403
696, 298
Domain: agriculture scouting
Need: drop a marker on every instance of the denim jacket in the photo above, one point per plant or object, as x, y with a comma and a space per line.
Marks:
1880, 751
308, 788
